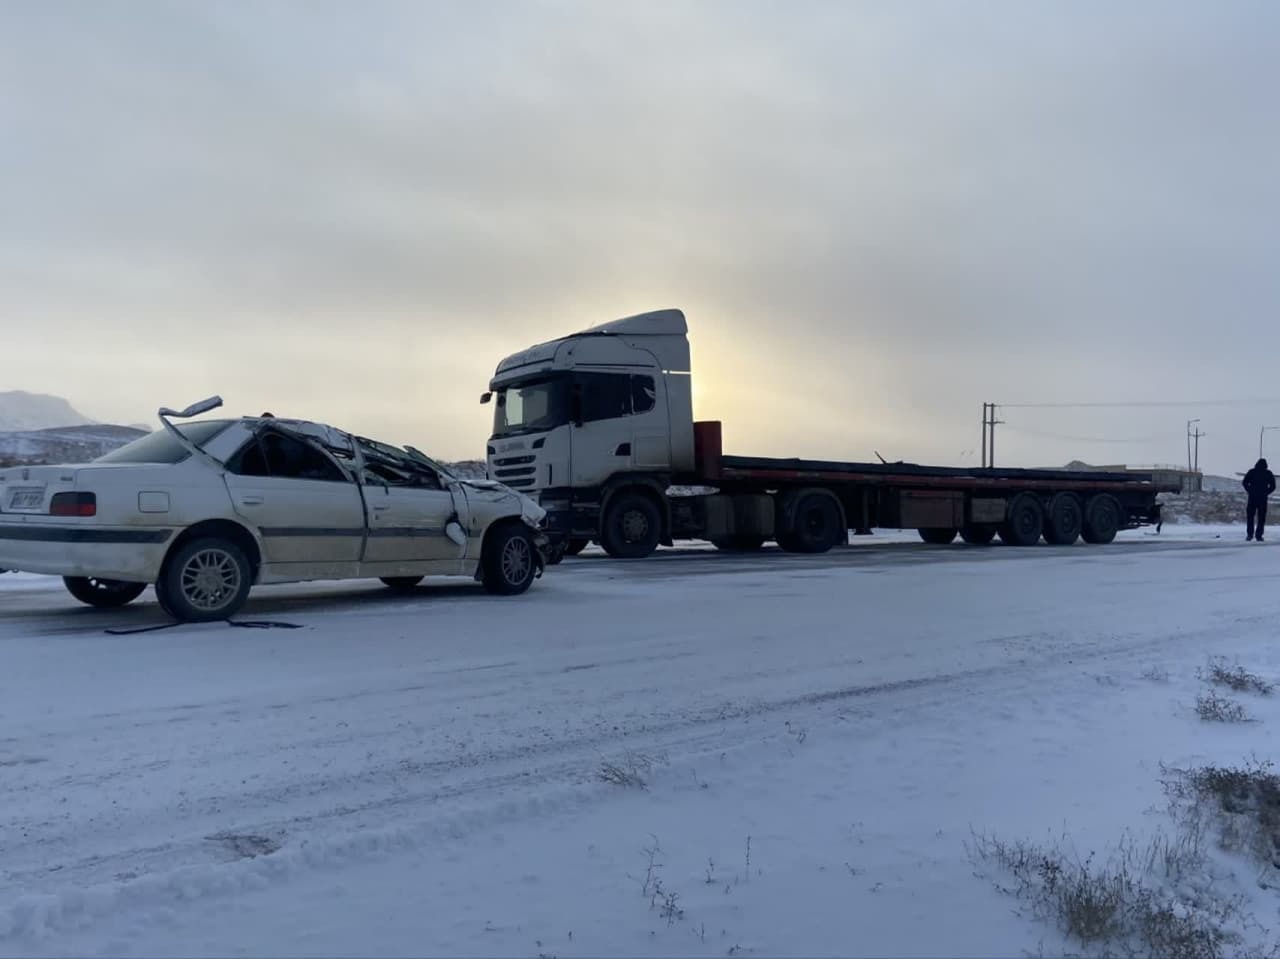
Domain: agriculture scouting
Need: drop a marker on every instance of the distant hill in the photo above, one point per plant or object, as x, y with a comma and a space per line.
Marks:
66, 444
21, 412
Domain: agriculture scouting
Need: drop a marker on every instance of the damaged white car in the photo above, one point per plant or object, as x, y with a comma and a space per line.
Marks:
206, 509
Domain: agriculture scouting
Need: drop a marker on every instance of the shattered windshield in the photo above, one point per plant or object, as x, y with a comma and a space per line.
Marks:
531, 406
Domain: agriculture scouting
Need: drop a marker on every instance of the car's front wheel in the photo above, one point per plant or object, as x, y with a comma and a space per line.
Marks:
204, 580
103, 593
509, 563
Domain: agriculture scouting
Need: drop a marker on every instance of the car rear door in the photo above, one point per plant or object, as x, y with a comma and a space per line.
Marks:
306, 508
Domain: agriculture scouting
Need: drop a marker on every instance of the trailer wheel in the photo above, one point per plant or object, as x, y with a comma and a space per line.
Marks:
575, 546
938, 536
1064, 519
1101, 519
738, 543
978, 535
811, 522
1024, 522
103, 593
632, 527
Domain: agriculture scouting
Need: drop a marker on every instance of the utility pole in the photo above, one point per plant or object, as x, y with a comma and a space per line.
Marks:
989, 423
1196, 436
1189, 422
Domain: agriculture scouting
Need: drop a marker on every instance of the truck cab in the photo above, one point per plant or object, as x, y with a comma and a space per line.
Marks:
594, 426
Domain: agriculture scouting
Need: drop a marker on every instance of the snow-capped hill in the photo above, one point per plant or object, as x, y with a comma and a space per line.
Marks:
21, 411
68, 444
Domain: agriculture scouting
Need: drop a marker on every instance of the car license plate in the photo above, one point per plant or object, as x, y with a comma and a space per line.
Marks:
26, 499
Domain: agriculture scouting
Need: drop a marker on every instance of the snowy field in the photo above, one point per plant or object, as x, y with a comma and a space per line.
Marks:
802, 751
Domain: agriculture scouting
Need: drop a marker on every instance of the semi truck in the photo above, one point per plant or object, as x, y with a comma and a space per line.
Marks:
598, 426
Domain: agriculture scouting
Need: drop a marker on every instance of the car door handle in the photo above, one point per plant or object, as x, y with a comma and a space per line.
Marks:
379, 507
250, 500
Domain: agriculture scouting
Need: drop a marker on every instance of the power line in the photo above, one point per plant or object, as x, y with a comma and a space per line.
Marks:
1256, 401
1040, 434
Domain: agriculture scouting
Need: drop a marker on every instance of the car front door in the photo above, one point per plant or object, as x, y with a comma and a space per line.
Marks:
307, 510
408, 529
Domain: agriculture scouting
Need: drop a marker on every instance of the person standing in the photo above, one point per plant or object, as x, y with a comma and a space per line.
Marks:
1259, 483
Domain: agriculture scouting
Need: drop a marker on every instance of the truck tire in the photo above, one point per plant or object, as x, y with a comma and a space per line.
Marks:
1024, 522
204, 580
575, 546
978, 534
632, 526
738, 543
509, 562
103, 593
1064, 519
1101, 519
811, 521
401, 584
938, 536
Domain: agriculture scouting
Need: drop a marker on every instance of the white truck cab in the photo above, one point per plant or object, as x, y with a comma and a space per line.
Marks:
594, 426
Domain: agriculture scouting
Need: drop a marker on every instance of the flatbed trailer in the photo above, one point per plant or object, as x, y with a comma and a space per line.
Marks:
599, 426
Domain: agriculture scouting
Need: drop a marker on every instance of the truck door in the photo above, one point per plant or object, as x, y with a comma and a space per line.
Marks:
602, 440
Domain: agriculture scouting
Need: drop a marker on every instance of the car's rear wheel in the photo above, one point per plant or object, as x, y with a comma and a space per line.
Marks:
400, 584
103, 593
204, 580
509, 563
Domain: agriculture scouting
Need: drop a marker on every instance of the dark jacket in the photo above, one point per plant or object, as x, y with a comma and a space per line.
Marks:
1259, 482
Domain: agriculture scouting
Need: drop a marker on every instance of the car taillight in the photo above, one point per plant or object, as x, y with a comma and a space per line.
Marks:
73, 504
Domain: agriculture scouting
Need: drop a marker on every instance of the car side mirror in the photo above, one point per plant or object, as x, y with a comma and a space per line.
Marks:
485, 397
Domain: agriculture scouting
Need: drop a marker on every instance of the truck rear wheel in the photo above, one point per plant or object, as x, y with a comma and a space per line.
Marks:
632, 526
978, 535
1024, 522
1101, 519
738, 543
938, 536
811, 521
1064, 519
102, 593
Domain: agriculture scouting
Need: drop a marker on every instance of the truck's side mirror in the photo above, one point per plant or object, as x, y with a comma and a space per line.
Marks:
485, 397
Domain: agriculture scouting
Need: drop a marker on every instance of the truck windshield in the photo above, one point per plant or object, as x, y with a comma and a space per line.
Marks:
531, 406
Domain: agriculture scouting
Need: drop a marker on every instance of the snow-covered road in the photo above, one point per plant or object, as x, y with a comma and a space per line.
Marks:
420, 775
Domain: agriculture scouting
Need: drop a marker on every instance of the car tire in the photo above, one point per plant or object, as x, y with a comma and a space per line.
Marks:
103, 593
205, 580
632, 527
509, 563
400, 584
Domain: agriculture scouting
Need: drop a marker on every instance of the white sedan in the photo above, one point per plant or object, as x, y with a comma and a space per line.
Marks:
205, 509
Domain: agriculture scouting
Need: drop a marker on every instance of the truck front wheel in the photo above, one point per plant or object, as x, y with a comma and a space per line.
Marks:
632, 526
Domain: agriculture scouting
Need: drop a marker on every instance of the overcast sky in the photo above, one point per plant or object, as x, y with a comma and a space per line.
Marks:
876, 216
